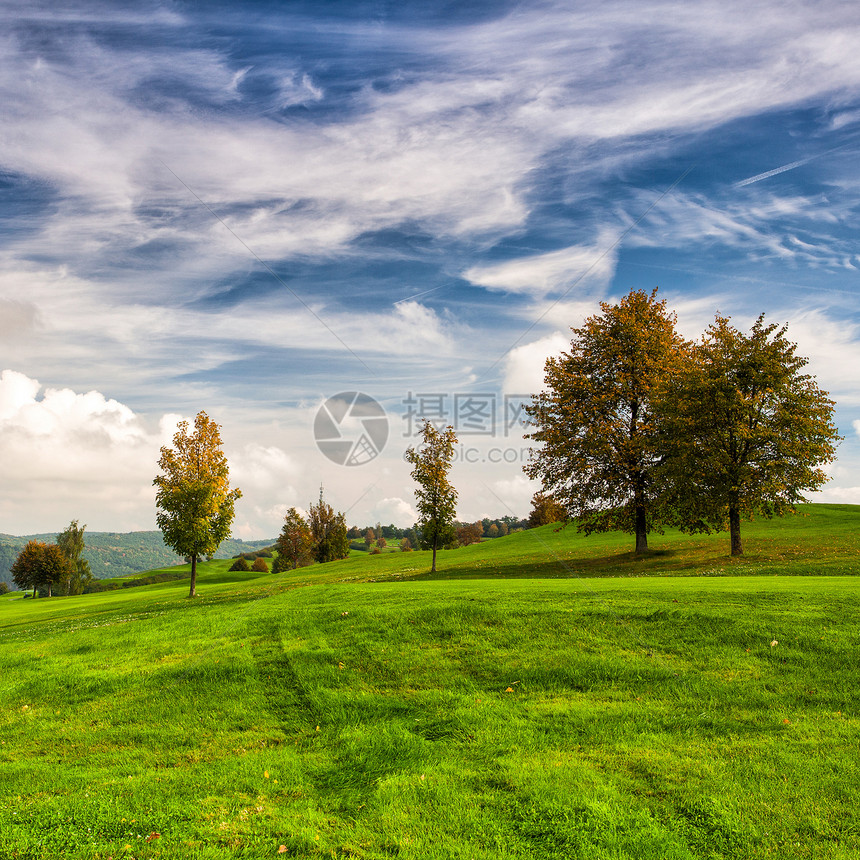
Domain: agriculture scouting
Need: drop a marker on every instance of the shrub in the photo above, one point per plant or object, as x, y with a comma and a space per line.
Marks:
241, 564
260, 565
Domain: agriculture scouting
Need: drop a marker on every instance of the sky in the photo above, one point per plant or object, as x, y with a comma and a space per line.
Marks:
320, 221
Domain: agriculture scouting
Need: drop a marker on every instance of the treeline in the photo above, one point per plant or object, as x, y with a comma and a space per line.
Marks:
115, 554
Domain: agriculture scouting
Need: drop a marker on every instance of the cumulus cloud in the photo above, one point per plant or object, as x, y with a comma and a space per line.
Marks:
524, 365
394, 510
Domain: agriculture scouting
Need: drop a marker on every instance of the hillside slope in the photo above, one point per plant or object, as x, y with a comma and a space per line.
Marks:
116, 554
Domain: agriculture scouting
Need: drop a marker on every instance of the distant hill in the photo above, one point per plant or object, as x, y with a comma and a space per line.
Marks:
114, 554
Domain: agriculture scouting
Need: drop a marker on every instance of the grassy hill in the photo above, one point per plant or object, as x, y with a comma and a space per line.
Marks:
544, 696
112, 554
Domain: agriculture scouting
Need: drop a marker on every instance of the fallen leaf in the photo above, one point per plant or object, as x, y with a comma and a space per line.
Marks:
509, 690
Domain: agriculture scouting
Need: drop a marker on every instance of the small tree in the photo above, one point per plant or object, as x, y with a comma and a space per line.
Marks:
4, 587
295, 543
469, 533
240, 565
436, 497
328, 532
71, 542
194, 501
594, 423
40, 566
745, 430
369, 538
381, 542
405, 545
546, 510
260, 565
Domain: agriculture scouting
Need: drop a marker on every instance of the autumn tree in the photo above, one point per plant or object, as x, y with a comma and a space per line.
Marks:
369, 538
295, 543
469, 533
71, 542
436, 497
545, 510
328, 532
746, 431
40, 566
595, 421
195, 505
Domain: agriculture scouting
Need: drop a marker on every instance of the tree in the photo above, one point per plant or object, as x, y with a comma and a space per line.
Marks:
328, 532
594, 423
405, 545
746, 431
295, 543
241, 565
260, 565
40, 566
25, 569
194, 501
71, 542
545, 510
469, 533
436, 497
369, 538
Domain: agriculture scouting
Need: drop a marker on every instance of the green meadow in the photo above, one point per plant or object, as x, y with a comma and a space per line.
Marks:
545, 695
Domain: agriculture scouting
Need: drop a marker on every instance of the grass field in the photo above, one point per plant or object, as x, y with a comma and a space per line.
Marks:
545, 695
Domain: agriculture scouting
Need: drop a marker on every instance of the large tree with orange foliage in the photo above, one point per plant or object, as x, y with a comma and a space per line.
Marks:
598, 442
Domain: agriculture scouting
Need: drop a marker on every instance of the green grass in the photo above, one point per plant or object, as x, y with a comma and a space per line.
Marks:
509, 708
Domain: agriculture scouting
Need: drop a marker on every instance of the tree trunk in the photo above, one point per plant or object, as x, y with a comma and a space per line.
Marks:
641, 530
435, 542
735, 528
193, 592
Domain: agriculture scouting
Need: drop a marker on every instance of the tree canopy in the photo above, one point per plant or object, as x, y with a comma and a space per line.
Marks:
745, 430
295, 543
195, 505
436, 497
328, 532
595, 421
71, 542
40, 566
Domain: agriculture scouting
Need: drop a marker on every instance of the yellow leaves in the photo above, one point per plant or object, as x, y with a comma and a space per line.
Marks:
282, 849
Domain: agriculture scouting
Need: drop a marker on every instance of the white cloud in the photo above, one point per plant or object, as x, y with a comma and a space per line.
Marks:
546, 273
856, 426
837, 495
524, 365
394, 510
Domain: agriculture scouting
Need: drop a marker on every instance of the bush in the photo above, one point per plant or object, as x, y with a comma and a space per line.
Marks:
4, 588
260, 565
241, 564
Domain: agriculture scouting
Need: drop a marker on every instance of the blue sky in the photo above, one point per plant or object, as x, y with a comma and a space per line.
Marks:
250, 208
